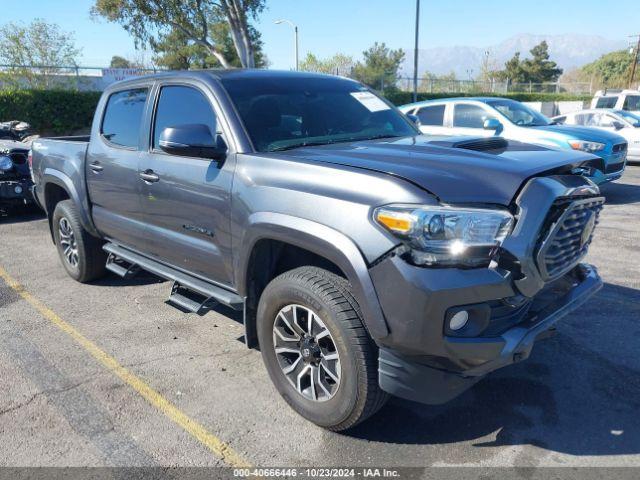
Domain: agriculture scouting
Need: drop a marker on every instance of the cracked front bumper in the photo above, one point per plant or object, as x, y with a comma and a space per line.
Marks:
417, 378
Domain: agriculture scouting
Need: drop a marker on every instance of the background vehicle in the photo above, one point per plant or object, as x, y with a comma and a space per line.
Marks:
625, 124
490, 116
15, 178
628, 100
367, 260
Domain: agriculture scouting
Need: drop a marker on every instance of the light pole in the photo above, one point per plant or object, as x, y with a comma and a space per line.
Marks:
415, 54
295, 35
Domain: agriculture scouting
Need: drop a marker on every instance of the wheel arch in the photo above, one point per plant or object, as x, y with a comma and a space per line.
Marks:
303, 242
57, 187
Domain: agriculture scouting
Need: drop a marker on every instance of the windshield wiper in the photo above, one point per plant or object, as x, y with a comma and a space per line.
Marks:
299, 145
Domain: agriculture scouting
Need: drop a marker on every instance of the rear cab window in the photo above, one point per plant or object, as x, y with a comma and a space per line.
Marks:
432, 115
606, 102
123, 116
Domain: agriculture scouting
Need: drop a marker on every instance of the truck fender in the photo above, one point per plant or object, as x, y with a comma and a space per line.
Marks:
323, 241
59, 178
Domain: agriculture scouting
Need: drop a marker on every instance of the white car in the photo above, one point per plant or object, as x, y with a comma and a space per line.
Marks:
623, 123
628, 100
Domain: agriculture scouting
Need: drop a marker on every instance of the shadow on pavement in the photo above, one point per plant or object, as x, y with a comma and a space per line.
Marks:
21, 216
569, 397
621, 193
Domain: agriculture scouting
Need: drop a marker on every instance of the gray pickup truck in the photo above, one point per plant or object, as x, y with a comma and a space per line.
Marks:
367, 259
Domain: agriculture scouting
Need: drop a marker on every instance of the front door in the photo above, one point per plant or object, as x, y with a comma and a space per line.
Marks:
468, 119
187, 200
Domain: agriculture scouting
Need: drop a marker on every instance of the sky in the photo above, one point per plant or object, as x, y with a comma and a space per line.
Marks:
351, 26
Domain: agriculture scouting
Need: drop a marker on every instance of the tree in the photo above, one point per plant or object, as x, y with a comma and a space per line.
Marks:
152, 20
610, 70
43, 46
339, 64
538, 69
120, 62
380, 67
175, 51
513, 70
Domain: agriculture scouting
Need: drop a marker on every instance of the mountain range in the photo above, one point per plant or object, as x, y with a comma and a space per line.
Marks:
568, 51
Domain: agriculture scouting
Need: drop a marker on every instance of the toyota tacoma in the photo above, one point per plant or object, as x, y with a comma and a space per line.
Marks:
367, 259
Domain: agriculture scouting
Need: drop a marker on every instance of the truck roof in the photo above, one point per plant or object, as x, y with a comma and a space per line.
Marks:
219, 74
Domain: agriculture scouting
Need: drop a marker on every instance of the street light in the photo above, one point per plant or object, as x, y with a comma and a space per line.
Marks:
295, 34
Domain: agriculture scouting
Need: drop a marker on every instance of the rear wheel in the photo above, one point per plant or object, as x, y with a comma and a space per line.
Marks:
80, 252
316, 349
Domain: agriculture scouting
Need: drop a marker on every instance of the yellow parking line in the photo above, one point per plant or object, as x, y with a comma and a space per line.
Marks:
213, 443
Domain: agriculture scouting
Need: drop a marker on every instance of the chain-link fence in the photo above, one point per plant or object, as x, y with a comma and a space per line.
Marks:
439, 85
97, 78
64, 77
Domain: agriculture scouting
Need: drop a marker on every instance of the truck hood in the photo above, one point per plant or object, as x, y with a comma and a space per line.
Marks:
454, 175
575, 132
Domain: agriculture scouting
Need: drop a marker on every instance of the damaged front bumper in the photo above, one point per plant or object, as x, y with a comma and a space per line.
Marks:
15, 192
419, 378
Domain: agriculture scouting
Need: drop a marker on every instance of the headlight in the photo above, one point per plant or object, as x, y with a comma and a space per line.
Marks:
447, 235
586, 146
6, 164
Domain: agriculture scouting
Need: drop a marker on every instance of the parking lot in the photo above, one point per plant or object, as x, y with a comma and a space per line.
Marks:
108, 374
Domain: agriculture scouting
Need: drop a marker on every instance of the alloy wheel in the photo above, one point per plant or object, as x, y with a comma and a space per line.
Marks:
68, 242
306, 353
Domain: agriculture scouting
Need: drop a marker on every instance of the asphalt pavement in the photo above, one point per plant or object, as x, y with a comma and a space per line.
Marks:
108, 374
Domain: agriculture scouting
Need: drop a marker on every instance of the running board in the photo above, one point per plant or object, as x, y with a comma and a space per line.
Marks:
183, 281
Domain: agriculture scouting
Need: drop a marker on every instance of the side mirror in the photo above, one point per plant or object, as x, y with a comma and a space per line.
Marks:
618, 125
194, 140
415, 119
492, 124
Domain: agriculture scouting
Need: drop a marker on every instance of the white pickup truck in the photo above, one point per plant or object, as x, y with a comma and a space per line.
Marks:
619, 99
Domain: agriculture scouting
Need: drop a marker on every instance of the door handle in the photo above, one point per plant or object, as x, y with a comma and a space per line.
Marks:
96, 167
149, 176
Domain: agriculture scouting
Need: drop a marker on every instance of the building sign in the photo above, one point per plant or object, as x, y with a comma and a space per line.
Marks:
110, 75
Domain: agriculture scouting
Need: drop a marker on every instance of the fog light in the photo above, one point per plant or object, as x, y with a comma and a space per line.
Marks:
18, 189
459, 320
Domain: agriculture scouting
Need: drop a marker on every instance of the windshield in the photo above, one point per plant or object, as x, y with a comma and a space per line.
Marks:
519, 113
630, 117
280, 113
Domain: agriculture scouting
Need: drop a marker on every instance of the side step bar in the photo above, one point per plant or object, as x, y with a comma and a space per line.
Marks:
120, 267
182, 280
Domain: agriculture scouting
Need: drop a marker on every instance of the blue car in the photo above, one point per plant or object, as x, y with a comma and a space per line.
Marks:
489, 116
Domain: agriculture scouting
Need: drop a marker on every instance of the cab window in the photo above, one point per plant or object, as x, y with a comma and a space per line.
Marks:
632, 102
469, 116
433, 115
606, 102
181, 105
123, 116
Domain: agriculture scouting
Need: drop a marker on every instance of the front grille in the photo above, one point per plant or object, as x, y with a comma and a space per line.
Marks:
566, 235
620, 147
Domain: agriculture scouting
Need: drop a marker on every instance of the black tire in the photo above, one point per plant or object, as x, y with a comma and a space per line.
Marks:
358, 395
91, 259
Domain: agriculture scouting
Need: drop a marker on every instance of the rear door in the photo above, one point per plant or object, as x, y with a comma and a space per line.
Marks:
112, 167
432, 119
187, 209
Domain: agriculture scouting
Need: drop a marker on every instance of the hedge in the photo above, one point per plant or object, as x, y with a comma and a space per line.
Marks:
64, 112
57, 112
401, 98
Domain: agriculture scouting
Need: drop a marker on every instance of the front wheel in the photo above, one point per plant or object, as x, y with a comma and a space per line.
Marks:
316, 349
81, 253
